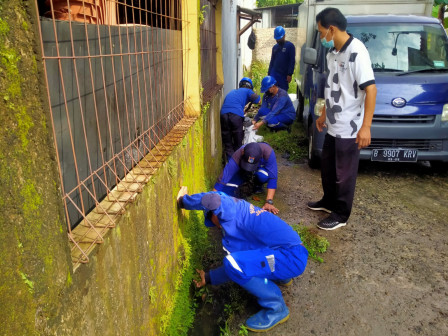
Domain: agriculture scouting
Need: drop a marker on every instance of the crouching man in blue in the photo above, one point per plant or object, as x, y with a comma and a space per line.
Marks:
262, 249
277, 110
252, 162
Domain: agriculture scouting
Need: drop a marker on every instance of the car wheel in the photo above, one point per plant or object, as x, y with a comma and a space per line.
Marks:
313, 160
300, 106
439, 166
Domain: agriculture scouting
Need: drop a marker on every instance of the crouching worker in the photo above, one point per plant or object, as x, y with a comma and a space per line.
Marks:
262, 249
250, 167
277, 110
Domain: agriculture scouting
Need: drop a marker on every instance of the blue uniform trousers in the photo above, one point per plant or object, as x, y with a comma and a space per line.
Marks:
278, 122
281, 80
272, 264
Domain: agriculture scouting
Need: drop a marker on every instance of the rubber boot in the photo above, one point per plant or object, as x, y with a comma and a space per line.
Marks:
284, 282
271, 300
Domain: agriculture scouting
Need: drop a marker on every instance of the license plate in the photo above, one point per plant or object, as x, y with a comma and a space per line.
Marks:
394, 155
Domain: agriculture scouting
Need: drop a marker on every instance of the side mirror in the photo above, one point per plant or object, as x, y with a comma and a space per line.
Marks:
310, 56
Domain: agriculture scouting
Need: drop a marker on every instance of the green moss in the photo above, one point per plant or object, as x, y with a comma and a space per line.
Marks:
25, 25
172, 167
32, 201
4, 28
69, 280
152, 294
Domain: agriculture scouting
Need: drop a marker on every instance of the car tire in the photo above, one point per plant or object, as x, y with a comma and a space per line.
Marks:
439, 166
313, 159
300, 106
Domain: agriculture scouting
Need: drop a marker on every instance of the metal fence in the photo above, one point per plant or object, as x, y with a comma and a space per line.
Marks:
208, 48
115, 86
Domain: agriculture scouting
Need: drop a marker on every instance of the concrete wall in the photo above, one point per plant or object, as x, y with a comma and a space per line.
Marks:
265, 42
137, 282
229, 45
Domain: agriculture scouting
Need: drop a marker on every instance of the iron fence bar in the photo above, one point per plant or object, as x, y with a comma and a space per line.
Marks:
146, 145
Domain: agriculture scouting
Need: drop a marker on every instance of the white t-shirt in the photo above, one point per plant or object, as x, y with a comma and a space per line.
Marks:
350, 72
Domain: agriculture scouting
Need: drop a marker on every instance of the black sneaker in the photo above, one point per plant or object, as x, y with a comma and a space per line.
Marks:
330, 223
319, 205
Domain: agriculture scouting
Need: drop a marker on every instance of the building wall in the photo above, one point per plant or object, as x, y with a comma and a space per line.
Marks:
265, 42
137, 281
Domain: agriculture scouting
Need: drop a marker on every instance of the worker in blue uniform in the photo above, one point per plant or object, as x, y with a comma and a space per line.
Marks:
257, 161
283, 59
277, 110
232, 115
261, 249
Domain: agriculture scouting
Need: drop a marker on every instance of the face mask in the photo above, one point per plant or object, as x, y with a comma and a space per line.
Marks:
325, 43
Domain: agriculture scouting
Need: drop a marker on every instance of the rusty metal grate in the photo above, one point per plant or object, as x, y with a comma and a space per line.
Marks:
115, 86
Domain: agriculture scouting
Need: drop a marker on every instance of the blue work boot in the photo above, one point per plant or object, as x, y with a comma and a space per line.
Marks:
271, 300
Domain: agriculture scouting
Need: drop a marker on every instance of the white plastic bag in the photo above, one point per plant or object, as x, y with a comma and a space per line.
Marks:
251, 136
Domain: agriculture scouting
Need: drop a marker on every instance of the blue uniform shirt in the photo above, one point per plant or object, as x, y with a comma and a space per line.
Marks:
246, 227
237, 99
278, 104
268, 161
283, 59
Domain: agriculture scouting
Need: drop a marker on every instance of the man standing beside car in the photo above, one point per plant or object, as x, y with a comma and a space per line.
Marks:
350, 96
283, 59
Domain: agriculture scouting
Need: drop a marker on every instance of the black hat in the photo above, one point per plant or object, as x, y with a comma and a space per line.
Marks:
251, 156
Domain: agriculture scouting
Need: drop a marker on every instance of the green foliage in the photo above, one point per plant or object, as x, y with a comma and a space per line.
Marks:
205, 107
201, 14
435, 10
269, 3
258, 70
243, 331
314, 243
28, 282
293, 144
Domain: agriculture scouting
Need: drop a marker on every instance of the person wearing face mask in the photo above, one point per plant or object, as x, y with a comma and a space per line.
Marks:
283, 59
350, 96
277, 110
254, 164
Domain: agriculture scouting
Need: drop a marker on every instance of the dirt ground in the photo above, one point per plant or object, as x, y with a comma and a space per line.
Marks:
386, 272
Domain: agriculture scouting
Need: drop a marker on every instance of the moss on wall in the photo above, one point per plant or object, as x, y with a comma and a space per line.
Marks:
34, 254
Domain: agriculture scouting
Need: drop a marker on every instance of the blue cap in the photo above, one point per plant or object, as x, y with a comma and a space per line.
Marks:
279, 32
267, 83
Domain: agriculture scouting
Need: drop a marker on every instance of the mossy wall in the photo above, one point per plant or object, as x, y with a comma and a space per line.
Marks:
138, 281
